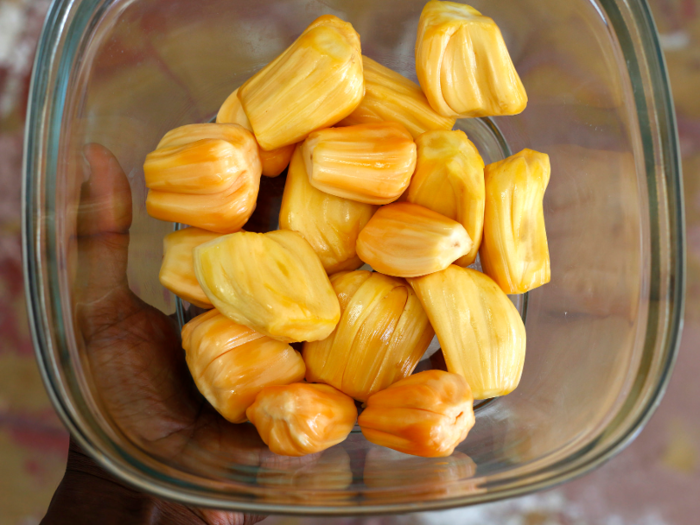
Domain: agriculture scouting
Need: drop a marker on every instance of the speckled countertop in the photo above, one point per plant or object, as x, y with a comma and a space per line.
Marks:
655, 481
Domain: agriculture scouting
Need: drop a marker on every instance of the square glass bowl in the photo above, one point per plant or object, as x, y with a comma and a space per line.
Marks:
602, 336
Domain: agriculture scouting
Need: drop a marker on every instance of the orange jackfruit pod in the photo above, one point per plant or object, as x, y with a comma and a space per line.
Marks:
402, 477
204, 175
382, 334
177, 269
274, 161
407, 240
330, 224
370, 163
480, 331
463, 65
514, 252
314, 83
302, 418
231, 364
427, 414
449, 179
273, 282
391, 97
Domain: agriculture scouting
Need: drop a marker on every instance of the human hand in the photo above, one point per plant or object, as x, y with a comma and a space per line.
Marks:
138, 366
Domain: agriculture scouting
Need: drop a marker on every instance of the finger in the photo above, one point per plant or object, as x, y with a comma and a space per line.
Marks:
105, 203
218, 517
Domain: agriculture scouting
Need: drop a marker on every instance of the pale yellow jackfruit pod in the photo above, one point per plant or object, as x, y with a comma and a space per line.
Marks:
204, 175
371, 163
314, 84
274, 161
382, 334
300, 419
463, 64
427, 414
330, 224
514, 252
408, 240
231, 364
177, 268
391, 97
272, 282
449, 180
480, 331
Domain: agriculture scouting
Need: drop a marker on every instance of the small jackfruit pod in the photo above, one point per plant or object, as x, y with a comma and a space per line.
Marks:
272, 282
514, 252
231, 364
274, 161
301, 418
479, 329
177, 268
370, 163
407, 240
382, 334
427, 414
314, 83
463, 64
204, 175
391, 97
322, 476
330, 224
449, 180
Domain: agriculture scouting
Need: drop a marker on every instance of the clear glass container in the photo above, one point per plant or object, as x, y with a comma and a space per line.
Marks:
602, 336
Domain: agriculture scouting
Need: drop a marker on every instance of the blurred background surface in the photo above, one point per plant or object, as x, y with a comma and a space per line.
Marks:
655, 481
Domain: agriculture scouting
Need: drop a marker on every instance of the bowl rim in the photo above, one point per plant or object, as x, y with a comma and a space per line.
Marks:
662, 166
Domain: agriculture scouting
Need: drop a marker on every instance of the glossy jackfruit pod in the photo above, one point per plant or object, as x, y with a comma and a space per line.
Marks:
514, 252
449, 179
320, 478
231, 364
400, 477
407, 240
382, 334
177, 268
272, 282
390, 97
480, 330
204, 175
370, 163
427, 414
463, 65
274, 161
331, 224
315, 83
302, 418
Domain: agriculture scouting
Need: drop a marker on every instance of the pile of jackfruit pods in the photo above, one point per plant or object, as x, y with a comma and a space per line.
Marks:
375, 175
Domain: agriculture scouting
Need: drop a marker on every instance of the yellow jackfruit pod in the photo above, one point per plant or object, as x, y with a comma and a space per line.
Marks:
463, 64
204, 175
514, 252
401, 477
300, 419
480, 331
382, 334
408, 240
370, 163
391, 97
231, 364
449, 180
177, 268
274, 161
427, 414
272, 282
314, 83
331, 224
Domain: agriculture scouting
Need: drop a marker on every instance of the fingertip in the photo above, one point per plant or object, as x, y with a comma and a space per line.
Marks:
105, 205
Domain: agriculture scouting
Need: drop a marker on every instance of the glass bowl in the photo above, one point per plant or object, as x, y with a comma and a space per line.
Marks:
602, 336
